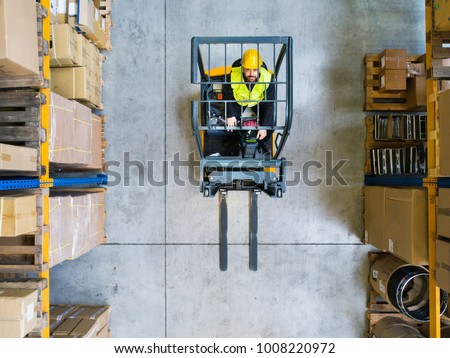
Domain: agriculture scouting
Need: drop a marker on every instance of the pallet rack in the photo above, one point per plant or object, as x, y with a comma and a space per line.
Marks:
431, 181
40, 180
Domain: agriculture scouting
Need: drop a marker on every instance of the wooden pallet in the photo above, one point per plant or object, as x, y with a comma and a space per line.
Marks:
23, 254
378, 101
34, 81
20, 123
38, 284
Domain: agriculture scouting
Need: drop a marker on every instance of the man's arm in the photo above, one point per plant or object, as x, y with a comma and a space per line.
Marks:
233, 109
266, 109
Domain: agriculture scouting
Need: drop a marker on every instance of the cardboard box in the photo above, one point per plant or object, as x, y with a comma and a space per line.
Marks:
53, 11
82, 17
61, 217
100, 314
97, 218
53, 324
62, 129
81, 322
18, 312
71, 82
80, 212
82, 134
87, 328
393, 59
97, 143
76, 139
64, 329
84, 213
416, 92
442, 15
74, 83
17, 214
18, 39
99, 29
406, 224
104, 333
444, 133
392, 80
62, 12
88, 49
443, 218
13, 157
65, 49
61, 312
374, 208
443, 263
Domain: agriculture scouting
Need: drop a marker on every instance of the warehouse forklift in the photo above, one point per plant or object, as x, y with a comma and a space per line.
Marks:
233, 159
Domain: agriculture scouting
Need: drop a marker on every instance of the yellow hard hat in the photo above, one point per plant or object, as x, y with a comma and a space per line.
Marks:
251, 59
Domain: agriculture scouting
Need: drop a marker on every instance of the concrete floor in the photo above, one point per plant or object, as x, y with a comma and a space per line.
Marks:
159, 270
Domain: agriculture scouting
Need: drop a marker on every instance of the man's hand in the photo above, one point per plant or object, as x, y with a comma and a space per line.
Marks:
262, 133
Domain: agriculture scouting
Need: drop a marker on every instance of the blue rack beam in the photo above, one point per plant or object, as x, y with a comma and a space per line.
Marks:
13, 184
443, 182
403, 180
394, 180
32, 183
100, 179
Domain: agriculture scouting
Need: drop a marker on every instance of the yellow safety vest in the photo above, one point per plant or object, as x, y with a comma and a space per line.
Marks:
240, 90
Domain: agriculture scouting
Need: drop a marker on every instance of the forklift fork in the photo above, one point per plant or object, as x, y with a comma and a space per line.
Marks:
253, 230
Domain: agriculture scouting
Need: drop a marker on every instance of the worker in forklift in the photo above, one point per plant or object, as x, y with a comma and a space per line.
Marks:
247, 99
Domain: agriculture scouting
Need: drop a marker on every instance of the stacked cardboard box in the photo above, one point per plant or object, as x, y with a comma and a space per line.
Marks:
75, 134
17, 215
23, 59
74, 321
18, 312
396, 221
76, 71
398, 74
84, 16
76, 62
84, 212
393, 70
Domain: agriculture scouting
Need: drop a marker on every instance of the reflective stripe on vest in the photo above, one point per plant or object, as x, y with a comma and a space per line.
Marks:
240, 90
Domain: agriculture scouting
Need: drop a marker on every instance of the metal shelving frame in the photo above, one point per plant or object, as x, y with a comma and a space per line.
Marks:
432, 182
45, 181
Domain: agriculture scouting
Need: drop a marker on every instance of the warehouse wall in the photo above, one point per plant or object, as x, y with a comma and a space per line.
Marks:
159, 270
